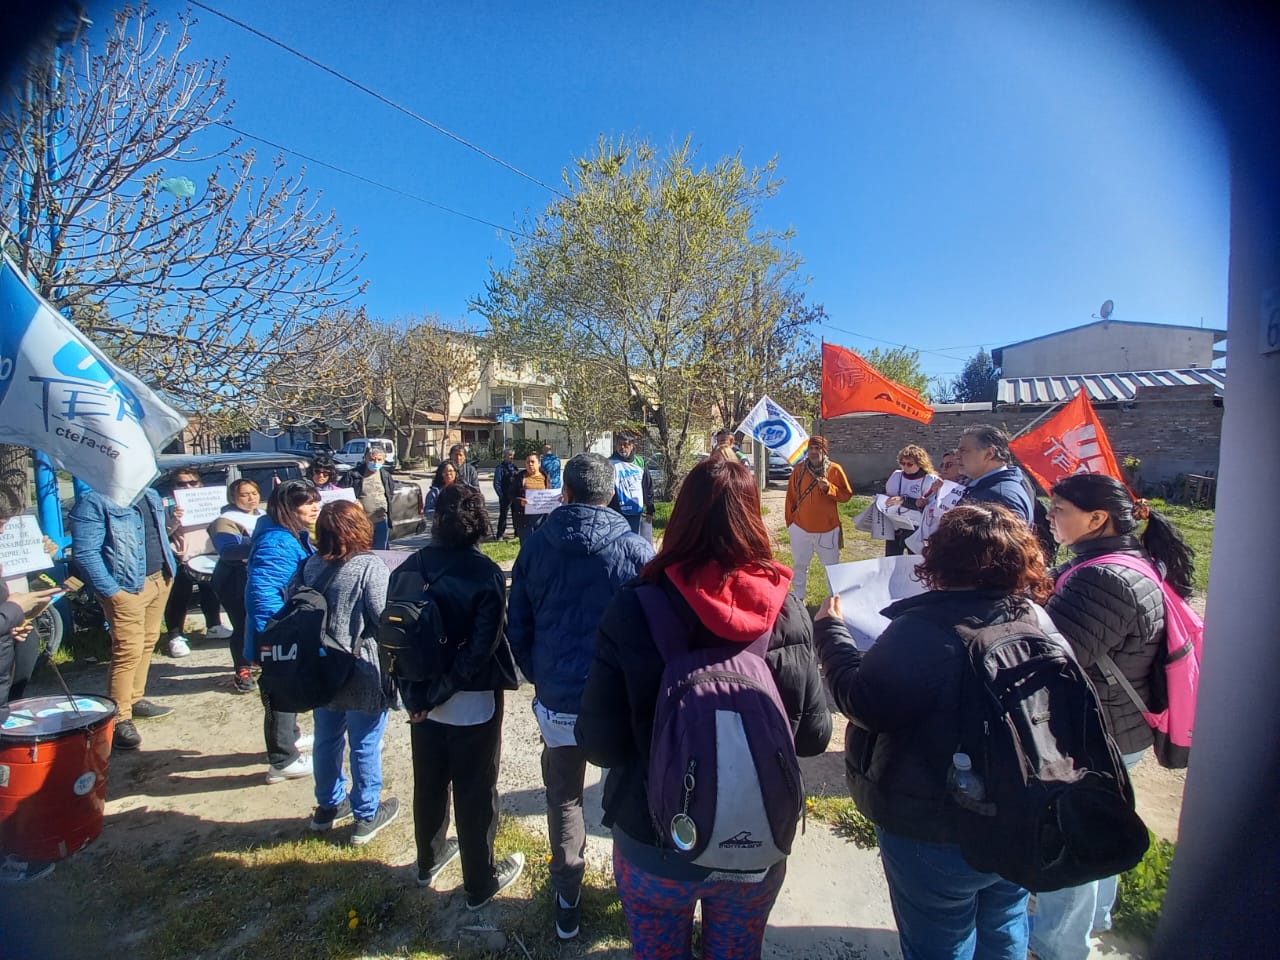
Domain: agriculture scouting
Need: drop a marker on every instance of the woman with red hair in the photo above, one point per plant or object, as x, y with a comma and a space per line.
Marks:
716, 572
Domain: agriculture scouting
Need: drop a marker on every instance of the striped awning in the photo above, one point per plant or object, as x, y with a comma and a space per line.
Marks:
1104, 387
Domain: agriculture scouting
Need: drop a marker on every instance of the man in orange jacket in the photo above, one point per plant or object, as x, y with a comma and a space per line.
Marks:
813, 521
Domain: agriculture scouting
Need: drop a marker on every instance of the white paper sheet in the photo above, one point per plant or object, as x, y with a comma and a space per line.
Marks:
342, 493
867, 587
200, 505
22, 547
541, 501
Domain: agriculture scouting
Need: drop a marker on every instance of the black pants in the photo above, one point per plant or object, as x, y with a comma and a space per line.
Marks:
467, 759
504, 509
280, 730
175, 608
898, 545
234, 602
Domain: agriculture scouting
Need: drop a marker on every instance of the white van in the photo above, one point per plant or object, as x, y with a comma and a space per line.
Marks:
355, 450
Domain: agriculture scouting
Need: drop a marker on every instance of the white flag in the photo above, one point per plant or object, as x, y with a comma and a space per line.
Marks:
776, 429
60, 394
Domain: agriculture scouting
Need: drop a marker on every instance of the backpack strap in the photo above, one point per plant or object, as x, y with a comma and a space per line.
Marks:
1113, 674
670, 634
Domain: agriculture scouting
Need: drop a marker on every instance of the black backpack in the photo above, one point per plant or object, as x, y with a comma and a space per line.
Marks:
1059, 807
303, 667
412, 642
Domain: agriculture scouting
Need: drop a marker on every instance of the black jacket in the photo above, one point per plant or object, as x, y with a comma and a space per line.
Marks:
356, 476
470, 590
902, 698
615, 725
1116, 611
515, 492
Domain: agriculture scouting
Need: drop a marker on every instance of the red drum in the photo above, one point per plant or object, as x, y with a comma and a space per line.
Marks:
53, 774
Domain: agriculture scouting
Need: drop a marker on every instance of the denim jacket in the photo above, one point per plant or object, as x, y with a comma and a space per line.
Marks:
109, 544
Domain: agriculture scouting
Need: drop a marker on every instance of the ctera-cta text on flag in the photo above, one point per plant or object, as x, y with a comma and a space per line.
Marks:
60, 394
851, 385
776, 429
1071, 441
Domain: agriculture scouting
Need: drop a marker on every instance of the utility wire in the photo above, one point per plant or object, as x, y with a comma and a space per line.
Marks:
378, 96
892, 343
375, 183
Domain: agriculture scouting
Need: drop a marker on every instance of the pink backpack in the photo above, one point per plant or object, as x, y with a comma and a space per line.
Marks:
1178, 665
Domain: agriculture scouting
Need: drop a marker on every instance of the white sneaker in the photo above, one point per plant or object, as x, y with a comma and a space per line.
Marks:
178, 646
218, 633
306, 742
293, 771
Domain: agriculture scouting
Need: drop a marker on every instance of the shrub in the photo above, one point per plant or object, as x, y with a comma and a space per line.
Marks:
1140, 896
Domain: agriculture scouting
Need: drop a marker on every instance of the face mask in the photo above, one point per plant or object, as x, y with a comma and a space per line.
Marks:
373, 465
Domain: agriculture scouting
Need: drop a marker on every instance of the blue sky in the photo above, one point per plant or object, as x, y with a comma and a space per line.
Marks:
957, 174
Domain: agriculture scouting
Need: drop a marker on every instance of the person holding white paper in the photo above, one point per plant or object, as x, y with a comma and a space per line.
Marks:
530, 478
175, 608
230, 535
817, 486
908, 487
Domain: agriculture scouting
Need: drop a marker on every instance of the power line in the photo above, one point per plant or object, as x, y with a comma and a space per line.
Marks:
375, 183
893, 343
378, 96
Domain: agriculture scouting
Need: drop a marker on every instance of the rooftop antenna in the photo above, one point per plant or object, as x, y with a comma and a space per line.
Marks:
1105, 311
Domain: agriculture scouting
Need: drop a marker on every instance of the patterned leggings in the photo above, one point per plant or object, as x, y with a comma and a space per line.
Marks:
660, 913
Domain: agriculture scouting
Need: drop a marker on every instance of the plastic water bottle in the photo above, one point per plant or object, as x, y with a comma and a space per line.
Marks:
963, 782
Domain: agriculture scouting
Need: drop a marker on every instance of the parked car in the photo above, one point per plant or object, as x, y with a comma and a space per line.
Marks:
355, 450
779, 468
267, 469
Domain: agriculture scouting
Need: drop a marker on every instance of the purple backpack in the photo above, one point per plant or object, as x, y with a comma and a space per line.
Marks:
724, 782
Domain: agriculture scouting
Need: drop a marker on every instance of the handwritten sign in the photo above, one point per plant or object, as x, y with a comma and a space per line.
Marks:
200, 505
22, 547
342, 493
541, 501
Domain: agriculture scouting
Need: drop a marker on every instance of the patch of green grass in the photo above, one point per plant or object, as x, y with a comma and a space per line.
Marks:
1196, 526
662, 515
1141, 891
843, 815
500, 550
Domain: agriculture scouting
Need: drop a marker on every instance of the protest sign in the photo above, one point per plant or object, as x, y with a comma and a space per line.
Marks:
246, 520
867, 587
541, 501
22, 547
342, 493
948, 495
392, 558
200, 505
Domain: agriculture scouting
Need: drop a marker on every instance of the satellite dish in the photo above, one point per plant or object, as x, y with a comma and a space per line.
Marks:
1105, 310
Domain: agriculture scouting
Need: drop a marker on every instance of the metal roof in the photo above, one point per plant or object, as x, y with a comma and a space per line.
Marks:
1218, 333
1105, 387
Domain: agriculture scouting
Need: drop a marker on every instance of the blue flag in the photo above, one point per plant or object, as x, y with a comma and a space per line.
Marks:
60, 394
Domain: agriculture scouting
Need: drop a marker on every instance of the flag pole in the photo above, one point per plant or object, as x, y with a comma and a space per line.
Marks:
1054, 409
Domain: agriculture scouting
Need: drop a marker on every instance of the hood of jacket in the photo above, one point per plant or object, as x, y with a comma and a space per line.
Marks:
738, 608
579, 529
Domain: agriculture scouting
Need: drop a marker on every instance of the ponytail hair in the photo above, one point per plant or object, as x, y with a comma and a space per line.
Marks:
1161, 539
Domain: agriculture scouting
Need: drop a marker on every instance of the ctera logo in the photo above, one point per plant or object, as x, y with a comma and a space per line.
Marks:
741, 840
278, 655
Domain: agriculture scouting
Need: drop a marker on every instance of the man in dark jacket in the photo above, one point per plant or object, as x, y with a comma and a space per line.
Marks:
464, 472
987, 461
503, 474
374, 497
567, 572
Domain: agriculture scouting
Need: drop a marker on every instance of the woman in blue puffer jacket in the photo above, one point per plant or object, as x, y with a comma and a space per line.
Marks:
280, 545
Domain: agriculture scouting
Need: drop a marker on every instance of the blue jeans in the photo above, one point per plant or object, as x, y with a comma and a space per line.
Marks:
381, 534
945, 909
1064, 920
364, 730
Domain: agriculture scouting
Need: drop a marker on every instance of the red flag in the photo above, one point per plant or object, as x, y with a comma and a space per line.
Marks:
851, 385
1071, 441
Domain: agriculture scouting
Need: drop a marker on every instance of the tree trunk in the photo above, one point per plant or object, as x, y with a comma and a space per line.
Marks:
15, 471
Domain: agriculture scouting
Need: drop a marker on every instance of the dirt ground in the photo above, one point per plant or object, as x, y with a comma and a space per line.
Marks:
200, 775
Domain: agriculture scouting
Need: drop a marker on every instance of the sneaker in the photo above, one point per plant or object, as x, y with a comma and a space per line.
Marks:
306, 742
146, 710
218, 632
366, 830
326, 818
126, 736
13, 870
508, 872
567, 917
244, 682
427, 877
290, 771
179, 647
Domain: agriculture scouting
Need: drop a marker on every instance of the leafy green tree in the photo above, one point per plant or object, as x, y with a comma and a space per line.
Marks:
901, 364
636, 273
977, 382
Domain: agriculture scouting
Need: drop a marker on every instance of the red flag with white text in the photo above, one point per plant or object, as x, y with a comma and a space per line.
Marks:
851, 385
1071, 441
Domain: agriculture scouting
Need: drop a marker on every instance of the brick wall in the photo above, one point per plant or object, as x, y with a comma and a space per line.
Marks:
1171, 436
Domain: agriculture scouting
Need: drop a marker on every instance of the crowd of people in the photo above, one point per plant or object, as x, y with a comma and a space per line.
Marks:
597, 620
